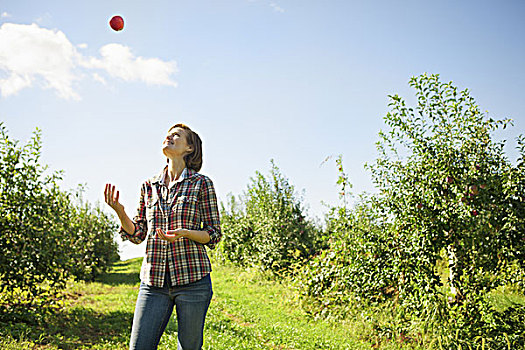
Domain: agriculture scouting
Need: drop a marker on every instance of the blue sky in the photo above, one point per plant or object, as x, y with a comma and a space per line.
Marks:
294, 81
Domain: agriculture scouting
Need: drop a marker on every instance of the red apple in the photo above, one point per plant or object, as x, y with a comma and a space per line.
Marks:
116, 23
474, 189
419, 206
450, 179
474, 212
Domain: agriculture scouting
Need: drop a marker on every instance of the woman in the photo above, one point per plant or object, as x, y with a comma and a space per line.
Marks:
178, 216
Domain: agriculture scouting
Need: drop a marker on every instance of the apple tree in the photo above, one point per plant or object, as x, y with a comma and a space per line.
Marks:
453, 196
266, 227
32, 222
45, 236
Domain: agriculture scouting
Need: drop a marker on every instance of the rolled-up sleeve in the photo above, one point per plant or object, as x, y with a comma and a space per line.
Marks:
139, 220
209, 212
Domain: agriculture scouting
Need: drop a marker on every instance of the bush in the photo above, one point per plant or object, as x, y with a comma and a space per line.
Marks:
358, 267
93, 245
266, 227
449, 188
32, 220
44, 236
449, 199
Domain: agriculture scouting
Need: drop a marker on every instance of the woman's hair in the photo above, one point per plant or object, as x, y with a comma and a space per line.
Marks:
193, 160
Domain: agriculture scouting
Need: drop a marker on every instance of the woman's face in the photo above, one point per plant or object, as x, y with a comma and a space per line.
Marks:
175, 144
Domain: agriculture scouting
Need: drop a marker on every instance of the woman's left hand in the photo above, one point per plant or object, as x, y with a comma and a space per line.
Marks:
171, 235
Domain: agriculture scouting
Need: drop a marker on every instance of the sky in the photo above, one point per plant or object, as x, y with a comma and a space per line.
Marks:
293, 81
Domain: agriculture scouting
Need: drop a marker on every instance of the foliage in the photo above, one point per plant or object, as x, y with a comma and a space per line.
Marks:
449, 200
40, 227
266, 227
93, 247
359, 266
32, 224
448, 186
451, 193
477, 321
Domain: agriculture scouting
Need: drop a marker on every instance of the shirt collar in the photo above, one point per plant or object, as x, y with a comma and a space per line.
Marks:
186, 173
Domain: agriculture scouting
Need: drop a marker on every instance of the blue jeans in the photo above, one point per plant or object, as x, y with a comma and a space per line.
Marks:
154, 308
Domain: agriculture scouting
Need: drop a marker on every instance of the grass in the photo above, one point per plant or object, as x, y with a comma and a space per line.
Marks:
253, 313
94, 315
248, 311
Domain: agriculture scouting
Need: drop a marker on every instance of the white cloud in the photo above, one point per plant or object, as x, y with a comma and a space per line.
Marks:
273, 5
31, 55
98, 78
276, 7
5, 15
44, 18
119, 62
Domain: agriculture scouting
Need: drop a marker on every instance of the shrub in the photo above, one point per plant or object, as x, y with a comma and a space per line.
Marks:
44, 236
357, 268
449, 198
451, 192
266, 227
448, 186
32, 220
93, 244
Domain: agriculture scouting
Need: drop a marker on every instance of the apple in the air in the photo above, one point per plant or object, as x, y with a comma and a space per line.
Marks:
116, 23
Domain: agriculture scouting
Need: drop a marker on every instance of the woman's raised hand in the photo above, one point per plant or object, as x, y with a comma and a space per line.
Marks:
111, 198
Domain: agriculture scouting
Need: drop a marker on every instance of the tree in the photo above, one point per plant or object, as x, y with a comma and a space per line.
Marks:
452, 193
358, 267
45, 236
32, 220
93, 245
267, 227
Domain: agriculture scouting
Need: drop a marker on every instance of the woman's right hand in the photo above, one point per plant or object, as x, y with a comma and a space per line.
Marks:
111, 198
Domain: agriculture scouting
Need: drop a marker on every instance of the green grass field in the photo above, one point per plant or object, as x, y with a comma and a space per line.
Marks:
247, 312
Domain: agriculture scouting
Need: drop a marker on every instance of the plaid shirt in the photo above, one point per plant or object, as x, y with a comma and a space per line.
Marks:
189, 203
